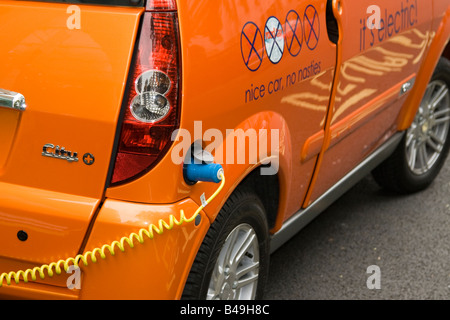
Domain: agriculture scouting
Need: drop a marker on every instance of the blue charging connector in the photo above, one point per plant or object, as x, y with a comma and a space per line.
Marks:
208, 172
202, 168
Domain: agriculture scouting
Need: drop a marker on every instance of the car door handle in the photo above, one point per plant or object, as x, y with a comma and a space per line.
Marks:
12, 100
407, 86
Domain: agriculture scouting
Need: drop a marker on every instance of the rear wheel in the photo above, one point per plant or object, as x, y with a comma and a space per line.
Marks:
233, 260
424, 149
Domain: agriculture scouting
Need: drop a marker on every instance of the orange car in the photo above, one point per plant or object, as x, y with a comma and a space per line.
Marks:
162, 149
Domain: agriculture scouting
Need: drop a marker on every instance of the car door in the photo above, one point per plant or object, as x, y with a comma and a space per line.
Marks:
382, 44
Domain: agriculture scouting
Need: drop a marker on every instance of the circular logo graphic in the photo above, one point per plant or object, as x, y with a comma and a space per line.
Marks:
252, 46
311, 27
293, 30
88, 159
274, 40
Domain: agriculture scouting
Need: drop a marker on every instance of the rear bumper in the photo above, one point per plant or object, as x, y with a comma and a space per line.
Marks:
155, 269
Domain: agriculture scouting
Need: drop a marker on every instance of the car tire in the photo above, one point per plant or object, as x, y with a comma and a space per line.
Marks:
421, 154
241, 224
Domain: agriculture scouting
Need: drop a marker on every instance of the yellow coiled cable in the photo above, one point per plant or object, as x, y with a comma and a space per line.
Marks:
57, 267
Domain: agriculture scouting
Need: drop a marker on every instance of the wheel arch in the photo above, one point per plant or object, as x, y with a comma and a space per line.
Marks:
267, 174
440, 46
267, 188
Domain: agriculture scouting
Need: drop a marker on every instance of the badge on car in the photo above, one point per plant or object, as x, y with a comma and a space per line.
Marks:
52, 151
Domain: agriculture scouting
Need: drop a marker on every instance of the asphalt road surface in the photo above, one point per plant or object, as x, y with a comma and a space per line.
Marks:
406, 237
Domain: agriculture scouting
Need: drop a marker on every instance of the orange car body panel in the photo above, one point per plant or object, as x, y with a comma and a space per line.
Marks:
65, 75
332, 104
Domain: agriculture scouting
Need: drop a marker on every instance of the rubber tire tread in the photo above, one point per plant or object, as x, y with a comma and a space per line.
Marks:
394, 174
234, 212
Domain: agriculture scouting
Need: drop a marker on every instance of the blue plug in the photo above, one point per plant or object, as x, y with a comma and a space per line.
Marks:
202, 168
207, 172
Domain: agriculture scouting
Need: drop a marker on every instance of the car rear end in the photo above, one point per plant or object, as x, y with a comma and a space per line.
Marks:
98, 84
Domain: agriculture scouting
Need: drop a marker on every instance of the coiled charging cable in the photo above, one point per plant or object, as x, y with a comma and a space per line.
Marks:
57, 267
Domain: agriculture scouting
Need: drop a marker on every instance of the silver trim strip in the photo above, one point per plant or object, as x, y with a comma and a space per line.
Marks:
12, 100
300, 219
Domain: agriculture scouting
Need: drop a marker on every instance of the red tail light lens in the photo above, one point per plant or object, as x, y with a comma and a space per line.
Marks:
161, 5
152, 111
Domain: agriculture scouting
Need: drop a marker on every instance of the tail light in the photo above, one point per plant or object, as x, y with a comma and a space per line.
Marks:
161, 5
151, 110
